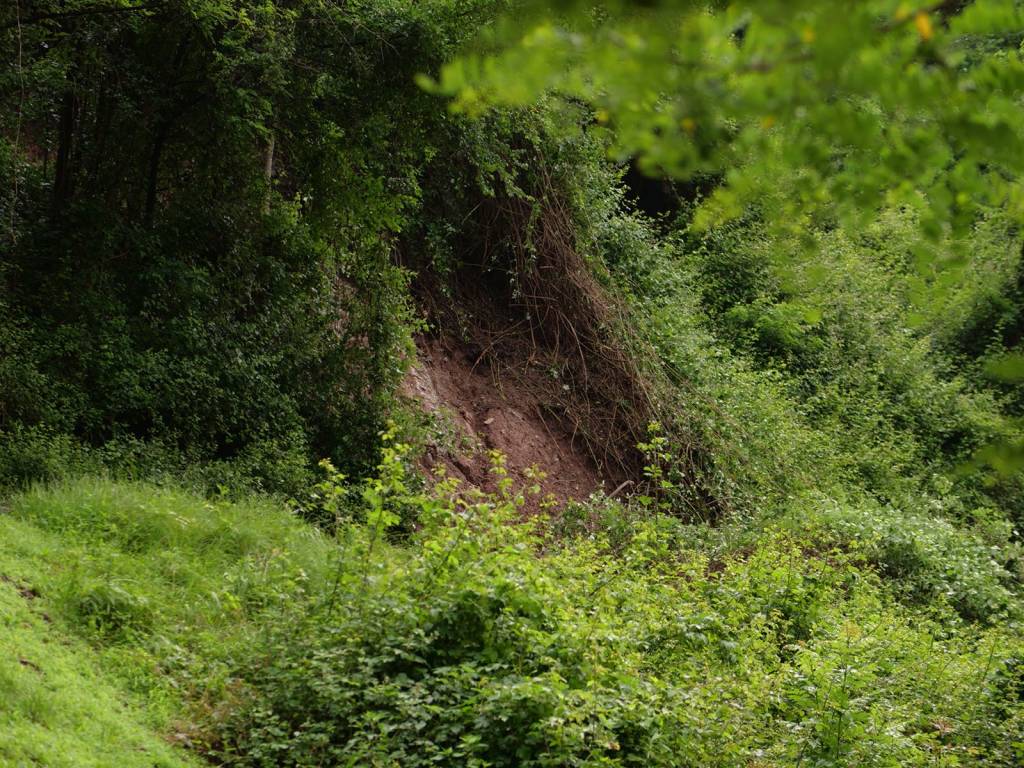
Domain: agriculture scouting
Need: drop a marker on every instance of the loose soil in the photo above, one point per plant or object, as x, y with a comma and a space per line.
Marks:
478, 411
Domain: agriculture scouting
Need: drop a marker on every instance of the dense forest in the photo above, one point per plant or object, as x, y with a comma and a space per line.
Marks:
511, 383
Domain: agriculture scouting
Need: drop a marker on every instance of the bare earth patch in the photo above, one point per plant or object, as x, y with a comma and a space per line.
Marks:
483, 412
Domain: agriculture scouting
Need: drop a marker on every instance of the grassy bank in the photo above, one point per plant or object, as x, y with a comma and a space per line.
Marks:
138, 617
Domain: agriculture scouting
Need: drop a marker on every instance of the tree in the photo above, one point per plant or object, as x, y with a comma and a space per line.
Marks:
866, 104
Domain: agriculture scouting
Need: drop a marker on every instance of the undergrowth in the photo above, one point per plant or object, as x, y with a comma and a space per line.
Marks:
621, 636
212, 547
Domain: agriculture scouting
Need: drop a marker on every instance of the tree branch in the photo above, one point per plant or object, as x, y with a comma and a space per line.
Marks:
61, 16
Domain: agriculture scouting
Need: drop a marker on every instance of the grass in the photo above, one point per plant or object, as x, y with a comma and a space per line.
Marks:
123, 605
58, 707
137, 621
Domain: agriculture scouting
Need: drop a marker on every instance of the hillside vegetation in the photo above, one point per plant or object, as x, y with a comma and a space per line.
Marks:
775, 322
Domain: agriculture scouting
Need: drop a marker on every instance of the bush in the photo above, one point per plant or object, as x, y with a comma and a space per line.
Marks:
616, 636
34, 454
925, 559
618, 645
111, 610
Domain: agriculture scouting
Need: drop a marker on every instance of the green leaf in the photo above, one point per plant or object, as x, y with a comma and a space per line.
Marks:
1008, 368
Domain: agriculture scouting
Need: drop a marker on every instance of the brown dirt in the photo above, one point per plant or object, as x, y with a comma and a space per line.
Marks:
28, 593
535, 358
483, 411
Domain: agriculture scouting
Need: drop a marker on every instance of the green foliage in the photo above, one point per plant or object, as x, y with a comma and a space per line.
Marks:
810, 362
216, 216
838, 327
1009, 367
927, 560
875, 104
58, 708
466, 649
625, 637
159, 581
803, 117
111, 610
200, 249
33, 454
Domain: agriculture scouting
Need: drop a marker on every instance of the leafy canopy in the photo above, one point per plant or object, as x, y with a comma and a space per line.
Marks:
866, 104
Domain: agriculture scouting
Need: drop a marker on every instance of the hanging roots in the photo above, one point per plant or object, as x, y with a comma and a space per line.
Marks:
529, 308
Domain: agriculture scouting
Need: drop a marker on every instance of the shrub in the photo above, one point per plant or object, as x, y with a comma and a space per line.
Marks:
34, 454
111, 610
619, 645
925, 559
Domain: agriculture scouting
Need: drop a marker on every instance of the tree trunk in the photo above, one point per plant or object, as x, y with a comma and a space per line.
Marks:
268, 171
154, 170
171, 112
63, 182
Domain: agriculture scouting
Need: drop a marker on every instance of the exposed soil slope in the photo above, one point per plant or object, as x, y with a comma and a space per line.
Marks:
481, 411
